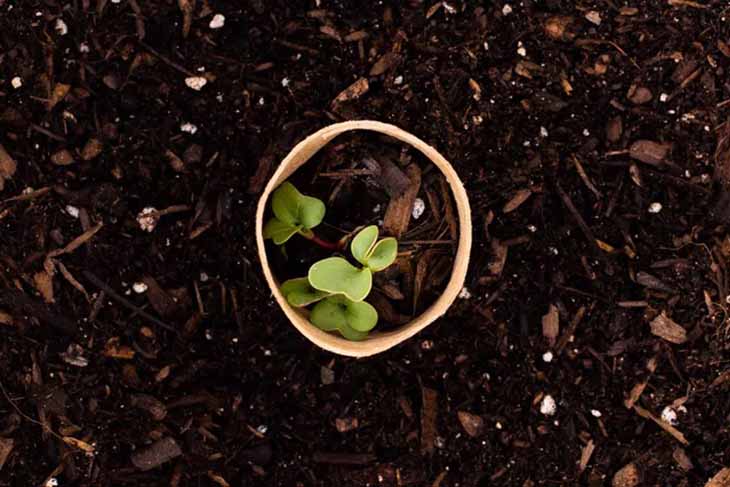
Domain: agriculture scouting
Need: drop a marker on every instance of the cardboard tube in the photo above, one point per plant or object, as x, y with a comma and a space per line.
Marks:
377, 341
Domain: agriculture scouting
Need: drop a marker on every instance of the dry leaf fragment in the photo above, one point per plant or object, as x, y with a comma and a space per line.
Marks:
664, 327
428, 419
386, 62
551, 325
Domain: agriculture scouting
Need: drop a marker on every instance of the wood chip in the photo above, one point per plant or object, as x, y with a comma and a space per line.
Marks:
8, 166
77, 242
186, 7
399, 211
614, 129
218, 479
112, 349
449, 212
649, 152
664, 327
551, 325
638, 95
680, 456
662, 424
429, 409
585, 455
76, 443
652, 282
639, 387
5, 318
394, 180
386, 62
720, 479
499, 257
472, 424
152, 405
344, 425
6, 447
60, 90
352, 92
92, 149
43, 282
557, 27
62, 158
160, 452
517, 199
160, 300
628, 476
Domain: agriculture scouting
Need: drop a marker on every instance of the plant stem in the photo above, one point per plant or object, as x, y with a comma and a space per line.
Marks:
325, 243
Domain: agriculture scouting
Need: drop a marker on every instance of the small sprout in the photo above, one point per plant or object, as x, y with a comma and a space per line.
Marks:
293, 213
335, 275
352, 319
373, 254
298, 292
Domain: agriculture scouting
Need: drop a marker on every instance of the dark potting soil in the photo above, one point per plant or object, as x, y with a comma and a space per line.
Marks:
363, 178
593, 141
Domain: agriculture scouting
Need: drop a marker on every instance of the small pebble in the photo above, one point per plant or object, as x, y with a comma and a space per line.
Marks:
532, 228
596, 413
498, 425
217, 21
548, 406
188, 128
196, 82
586, 132
669, 415
419, 206
663, 97
262, 101
148, 218
61, 27
285, 82
507, 9
16, 82
547, 356
139, 287
72, 211
521, 49
655, 207
398, 80
464, 293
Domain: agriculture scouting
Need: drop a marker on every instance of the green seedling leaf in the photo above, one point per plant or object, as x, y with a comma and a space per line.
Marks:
298, 292
279, 231
292, 207
382, 254
353, 320
363, 243
337, 276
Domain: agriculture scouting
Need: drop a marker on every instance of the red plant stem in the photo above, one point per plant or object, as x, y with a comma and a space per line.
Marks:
325, 243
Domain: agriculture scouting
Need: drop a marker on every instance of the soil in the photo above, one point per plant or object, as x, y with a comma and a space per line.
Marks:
363, 178
607, 252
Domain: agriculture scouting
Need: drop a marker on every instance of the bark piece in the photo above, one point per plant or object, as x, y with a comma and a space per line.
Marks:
398, 213
649, 152
428, 419
628, 476
666, 328
159, 452
472, 424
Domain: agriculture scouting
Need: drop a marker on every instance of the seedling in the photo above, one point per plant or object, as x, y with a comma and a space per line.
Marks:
339, 288
295, 213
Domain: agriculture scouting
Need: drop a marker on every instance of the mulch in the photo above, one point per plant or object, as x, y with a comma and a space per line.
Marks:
140, 346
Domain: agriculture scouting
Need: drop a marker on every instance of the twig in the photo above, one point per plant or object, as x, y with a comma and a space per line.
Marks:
297, 47
126, 303
165, 59
334, 458
585, 178
662, 424
579, 220
686, 3
47, 133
